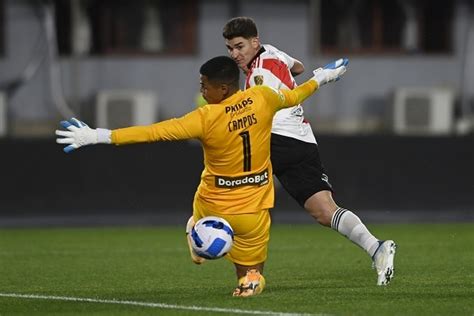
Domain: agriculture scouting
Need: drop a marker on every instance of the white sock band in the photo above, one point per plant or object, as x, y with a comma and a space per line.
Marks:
349, 225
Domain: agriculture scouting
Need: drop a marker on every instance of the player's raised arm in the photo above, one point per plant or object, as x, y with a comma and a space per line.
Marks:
296, 67
329, 73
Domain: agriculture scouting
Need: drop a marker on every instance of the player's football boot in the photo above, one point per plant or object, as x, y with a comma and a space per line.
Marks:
252, 283
383, 261
194, 257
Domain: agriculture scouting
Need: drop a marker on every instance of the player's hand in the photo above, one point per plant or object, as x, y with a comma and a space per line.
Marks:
78, 134
331, 72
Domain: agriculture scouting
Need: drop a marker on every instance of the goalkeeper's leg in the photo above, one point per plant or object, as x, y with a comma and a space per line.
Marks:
252, 282
249, 252
194, 257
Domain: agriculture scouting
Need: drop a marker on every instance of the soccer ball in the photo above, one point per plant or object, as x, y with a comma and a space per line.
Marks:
212, 237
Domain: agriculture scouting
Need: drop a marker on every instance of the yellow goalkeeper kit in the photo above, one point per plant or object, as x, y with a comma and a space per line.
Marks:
235, 135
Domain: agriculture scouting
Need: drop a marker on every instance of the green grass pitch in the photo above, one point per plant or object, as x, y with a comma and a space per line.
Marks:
310, 270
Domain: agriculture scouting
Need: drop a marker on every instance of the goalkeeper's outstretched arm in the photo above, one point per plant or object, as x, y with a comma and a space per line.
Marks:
78, 133
329, 73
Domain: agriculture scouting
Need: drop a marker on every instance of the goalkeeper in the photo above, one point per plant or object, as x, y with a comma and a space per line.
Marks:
234, 129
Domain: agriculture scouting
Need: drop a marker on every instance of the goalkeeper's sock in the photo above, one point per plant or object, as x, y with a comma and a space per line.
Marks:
350, 225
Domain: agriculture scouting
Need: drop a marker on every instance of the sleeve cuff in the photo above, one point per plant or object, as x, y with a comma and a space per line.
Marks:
104, 136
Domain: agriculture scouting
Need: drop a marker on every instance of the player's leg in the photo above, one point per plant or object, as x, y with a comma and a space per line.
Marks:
252, 282
308, 184
199, 211
194, 256
323, 208
241, 270
383, 261
249, 252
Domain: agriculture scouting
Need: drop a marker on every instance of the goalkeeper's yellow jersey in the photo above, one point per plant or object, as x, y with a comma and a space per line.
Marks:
235, 135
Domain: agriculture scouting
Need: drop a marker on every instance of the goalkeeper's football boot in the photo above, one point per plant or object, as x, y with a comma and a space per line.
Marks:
383, 261
252, 283
194, 257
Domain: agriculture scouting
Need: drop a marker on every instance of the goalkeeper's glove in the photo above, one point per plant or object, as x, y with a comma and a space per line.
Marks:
331, 72
79, 134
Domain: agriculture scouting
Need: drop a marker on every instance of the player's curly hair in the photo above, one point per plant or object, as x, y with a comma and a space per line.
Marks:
221, 69
240, 26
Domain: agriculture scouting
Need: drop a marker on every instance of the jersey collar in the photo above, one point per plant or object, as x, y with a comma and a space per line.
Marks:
260, 51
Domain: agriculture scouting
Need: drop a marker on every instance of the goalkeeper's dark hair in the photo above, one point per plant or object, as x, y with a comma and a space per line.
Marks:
241, 26
221, 69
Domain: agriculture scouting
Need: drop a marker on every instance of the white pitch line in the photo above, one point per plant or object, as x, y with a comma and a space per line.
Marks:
149, 304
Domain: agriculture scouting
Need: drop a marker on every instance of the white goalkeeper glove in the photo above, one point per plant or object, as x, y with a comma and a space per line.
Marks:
331, 72
79, 134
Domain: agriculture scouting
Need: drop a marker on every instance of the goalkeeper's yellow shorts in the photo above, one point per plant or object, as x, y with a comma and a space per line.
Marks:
251, 234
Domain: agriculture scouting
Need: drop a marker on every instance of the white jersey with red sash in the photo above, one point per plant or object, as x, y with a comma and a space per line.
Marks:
271, 67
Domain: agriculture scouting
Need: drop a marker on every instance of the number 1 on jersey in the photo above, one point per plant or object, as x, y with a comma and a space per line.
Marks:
247, 153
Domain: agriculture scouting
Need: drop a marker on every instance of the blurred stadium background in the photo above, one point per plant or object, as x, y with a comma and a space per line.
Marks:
396, 135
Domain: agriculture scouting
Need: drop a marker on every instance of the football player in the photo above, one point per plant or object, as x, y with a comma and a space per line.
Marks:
234, 129
294, 150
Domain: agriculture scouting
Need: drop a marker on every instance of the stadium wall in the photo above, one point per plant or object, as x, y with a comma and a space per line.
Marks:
392, 176
175, 79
